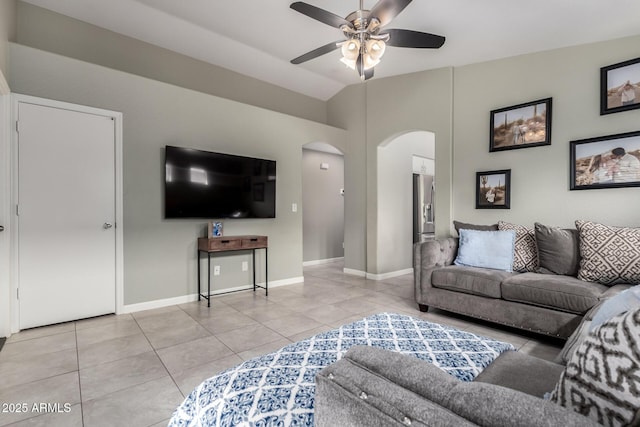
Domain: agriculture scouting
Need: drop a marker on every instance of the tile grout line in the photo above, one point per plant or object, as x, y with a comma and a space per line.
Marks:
75, 332
157, 355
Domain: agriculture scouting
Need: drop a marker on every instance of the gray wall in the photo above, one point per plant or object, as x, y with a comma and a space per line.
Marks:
381, 109
7, 31
50, 31
376, 112
323, 206
397, 105
540, 175
347, 110
159, 255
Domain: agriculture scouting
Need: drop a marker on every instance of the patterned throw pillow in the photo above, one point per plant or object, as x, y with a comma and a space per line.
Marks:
610, 255
525, 254
602, 379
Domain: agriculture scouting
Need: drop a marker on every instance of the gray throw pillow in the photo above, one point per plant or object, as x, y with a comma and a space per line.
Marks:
558, 250
602, 379
465, 226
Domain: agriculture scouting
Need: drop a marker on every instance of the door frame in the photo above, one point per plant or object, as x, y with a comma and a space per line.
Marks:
16, 99
5, 202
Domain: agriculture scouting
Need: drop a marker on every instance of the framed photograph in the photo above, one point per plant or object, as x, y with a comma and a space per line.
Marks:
606, 162
521, 126
214, 229
493, 189
620, 87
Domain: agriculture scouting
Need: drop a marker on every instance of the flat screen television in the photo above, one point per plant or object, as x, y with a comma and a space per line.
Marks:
203, 184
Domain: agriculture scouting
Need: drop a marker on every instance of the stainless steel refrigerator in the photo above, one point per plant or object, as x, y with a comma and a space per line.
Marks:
424, 192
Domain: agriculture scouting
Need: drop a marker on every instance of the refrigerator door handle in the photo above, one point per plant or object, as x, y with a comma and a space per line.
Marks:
432, 205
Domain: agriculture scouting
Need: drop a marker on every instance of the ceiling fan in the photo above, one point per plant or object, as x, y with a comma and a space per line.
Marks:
365, 38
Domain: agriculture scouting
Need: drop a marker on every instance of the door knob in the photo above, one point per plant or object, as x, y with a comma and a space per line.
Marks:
1, 227
107, 225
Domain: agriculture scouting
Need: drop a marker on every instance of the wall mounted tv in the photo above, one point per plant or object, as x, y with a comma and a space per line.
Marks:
203, 184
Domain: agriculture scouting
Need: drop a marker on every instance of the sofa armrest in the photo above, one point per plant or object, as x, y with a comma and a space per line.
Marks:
376, 387
429, 255
493, 405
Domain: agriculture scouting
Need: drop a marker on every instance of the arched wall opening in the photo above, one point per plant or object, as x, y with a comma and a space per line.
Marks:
322, 203
397, 159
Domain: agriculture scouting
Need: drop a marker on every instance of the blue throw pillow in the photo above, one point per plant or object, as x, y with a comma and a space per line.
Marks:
487, 249
618, 304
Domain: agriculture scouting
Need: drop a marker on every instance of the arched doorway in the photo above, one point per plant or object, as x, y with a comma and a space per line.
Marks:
397, 160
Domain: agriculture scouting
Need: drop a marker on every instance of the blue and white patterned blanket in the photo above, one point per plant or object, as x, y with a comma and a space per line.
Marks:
278, 389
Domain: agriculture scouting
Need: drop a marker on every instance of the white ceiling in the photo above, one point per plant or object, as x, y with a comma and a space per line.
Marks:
258, 38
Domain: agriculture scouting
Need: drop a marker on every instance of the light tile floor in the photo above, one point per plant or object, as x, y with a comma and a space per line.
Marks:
134, 369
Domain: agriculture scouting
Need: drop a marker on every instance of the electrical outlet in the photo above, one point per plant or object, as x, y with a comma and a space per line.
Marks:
216, 270
245, 266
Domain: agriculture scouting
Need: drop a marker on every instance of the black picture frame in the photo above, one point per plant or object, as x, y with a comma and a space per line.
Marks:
493, 189
595, 164
614, 79
521, 126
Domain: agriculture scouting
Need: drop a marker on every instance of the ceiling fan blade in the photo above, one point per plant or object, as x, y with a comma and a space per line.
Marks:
329, 47
320, 14
416, 39
385, 10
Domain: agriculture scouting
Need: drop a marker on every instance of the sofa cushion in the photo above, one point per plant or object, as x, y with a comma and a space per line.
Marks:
470, 280
522, 372
558, 250
559, 292
466, 226
581, 332
610, 255
525, 254
487, 249
602, 379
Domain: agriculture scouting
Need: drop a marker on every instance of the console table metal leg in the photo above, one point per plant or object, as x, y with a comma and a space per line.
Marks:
209, 279
253, 267
198, 261
266, 272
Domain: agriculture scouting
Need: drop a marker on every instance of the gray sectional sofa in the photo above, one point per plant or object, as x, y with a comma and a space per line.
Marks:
599, 385
544, 302
596, 380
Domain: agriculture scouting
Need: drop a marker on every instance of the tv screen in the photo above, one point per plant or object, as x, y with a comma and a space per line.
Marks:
203, 184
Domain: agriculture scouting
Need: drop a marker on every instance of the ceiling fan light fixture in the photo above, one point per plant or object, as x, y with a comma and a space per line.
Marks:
350, 63
350, 51
375, 50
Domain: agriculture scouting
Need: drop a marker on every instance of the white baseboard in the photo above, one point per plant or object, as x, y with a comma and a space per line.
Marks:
321, 261
150, 305
389, 275
372, 276
285, 282
159, 303
353, 272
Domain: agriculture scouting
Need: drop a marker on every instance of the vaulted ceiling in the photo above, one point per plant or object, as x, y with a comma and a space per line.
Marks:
258, 38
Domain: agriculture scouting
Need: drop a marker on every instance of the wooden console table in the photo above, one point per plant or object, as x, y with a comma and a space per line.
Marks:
211, 245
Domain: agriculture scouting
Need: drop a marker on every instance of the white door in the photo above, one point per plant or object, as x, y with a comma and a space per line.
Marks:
66, 215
